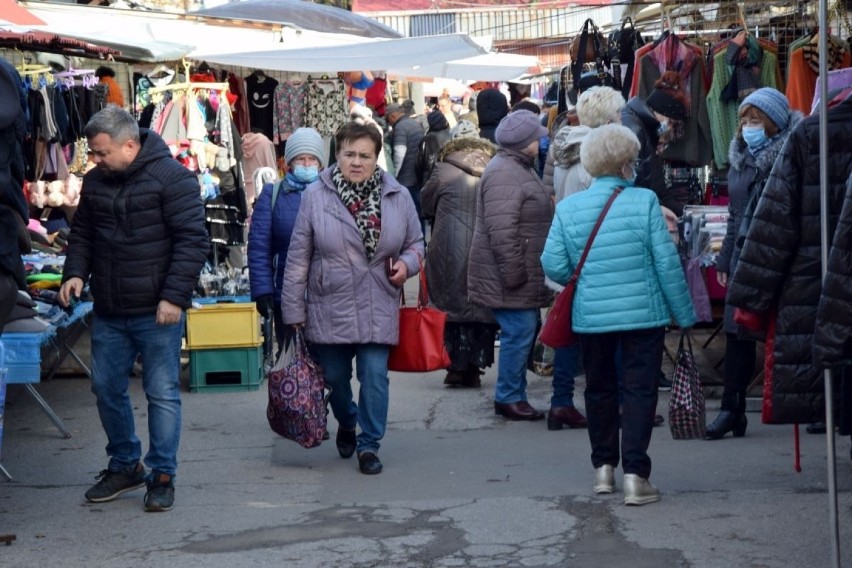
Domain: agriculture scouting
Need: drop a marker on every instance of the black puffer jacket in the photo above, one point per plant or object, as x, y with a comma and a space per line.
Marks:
13, 206
641, 121
450, 197
139, 234
779, 269
833, 337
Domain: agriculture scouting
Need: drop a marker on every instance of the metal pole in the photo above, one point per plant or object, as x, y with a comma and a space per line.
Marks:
834, 531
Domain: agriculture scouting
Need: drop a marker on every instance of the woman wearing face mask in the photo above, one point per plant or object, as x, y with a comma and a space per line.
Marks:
272, 223
765, 123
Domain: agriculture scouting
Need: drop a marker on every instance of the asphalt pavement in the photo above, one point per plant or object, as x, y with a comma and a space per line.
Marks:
461, 487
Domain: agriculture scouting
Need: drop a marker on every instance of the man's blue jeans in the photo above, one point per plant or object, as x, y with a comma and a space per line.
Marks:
116, 341
371, 412
517, 333
641, 357
565, 362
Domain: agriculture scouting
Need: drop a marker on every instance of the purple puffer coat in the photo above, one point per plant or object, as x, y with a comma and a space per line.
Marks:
330, 285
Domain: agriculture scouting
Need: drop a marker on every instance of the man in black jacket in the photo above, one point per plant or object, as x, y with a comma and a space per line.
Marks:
139, 234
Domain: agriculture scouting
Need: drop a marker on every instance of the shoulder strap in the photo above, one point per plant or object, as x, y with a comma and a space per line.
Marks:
276, 189
594, 233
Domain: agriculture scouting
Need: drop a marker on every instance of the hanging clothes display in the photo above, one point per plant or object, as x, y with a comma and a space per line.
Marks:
804, 68
260, 92
241, 112
327, 107
670, 53
740, 66
290, 99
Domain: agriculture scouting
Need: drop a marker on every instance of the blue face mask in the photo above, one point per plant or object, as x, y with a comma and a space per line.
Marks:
754, 136
306, 174
662, 129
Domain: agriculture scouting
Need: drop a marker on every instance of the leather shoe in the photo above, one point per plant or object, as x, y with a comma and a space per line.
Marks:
639, 491
565, 416
345, 442
816, 428
659, 420
369, 464
604, 479
520, 410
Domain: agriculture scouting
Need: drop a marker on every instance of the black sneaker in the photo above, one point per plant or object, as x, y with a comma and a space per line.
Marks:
115, 483
161, 493
664, 384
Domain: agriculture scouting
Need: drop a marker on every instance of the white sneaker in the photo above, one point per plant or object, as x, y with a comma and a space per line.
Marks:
639, 491
604, 479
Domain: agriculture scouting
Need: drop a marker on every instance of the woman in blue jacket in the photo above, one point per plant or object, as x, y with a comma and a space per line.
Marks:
272, 223
629, 288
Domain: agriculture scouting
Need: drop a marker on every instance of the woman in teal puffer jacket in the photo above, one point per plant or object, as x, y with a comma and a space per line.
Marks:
629, 288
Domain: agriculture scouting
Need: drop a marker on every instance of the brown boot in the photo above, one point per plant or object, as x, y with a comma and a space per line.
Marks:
565, 416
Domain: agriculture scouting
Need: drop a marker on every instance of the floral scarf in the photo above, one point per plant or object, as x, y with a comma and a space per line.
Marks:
364, 202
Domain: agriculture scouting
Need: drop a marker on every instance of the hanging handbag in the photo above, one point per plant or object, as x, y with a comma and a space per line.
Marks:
686, 405
296, 408
556, 331
421, 336
589, 47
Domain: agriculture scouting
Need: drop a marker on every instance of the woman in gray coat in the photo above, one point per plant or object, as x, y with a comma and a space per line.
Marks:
356, 241
450, 197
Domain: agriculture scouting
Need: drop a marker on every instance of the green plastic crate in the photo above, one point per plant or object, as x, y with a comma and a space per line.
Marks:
226, 370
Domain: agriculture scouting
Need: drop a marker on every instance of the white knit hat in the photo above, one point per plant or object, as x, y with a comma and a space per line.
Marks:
304, 141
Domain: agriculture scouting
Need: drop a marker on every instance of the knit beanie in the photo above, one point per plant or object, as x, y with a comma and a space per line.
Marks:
668, 97
518, 129
773, 103
304, 141
437, 121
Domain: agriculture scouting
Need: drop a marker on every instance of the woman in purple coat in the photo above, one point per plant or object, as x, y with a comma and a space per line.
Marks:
356, 241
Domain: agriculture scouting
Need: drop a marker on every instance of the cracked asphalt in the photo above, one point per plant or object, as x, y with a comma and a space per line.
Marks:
461, 487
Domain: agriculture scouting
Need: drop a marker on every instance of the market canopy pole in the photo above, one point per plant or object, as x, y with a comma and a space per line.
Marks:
822, 85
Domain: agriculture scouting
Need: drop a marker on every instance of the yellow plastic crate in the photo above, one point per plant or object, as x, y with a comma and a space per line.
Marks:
223, 326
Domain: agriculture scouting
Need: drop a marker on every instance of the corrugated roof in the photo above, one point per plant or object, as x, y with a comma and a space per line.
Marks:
460, 5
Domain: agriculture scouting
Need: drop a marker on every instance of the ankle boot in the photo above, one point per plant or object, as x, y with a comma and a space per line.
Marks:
471, 378
732, 418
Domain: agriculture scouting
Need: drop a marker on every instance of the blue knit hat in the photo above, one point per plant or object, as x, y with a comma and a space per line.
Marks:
773, 103
304, 141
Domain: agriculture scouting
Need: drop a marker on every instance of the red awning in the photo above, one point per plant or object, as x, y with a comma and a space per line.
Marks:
11, 13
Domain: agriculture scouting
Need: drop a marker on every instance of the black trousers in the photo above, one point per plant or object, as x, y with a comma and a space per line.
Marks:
641, 357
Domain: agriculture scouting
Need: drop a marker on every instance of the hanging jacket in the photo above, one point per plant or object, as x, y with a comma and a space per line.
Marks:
833, 333
139, 234
450, 197
513, 212
779, 268
329, 283
746, 178
269, 238
633, 277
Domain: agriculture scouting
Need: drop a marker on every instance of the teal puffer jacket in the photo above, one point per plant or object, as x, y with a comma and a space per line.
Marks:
633, 277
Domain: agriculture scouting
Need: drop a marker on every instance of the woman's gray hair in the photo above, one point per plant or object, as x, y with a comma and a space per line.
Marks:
115, 122
606, 149
597, 106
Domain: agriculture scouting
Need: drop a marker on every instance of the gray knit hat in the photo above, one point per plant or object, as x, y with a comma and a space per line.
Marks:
773, 103
518, 129
304, 141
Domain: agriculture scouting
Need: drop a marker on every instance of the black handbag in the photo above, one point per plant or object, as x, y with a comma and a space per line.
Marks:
621, 49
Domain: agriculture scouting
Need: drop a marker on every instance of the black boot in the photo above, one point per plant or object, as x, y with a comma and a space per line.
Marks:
732, 418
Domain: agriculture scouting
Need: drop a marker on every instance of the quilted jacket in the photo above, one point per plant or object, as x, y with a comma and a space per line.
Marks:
779, 269
329, 283
633, 277
513, 213
450, 197
140, 234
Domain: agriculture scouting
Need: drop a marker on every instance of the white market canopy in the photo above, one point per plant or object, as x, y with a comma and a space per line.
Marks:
370, 54
484, 67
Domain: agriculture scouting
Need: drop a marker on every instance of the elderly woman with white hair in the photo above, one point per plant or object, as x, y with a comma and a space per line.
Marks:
630, 287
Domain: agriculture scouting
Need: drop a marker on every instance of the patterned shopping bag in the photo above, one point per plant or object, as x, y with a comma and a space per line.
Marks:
686, 405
